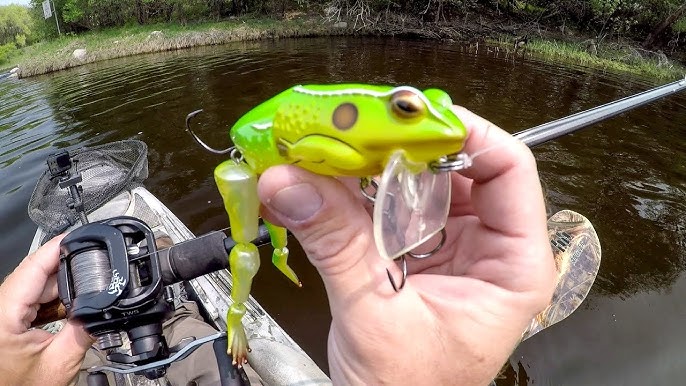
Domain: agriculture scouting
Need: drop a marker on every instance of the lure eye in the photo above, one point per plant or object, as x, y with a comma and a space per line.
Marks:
406, 104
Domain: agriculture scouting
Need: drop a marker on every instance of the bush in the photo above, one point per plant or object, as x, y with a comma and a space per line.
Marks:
6, 51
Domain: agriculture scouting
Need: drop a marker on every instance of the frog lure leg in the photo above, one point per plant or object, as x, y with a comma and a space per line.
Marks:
237, 183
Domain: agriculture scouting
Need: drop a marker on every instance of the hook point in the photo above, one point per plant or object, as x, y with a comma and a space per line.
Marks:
402, 283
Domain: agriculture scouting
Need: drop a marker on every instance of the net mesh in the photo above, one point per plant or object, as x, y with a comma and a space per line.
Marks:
106, 170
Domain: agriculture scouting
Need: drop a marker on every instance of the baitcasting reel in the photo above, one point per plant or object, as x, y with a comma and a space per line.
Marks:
110, 280
113, 280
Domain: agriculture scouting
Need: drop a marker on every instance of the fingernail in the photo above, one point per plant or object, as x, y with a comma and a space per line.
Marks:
297, 202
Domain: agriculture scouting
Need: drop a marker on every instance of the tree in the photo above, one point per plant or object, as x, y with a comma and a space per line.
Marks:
671, 19
16, 25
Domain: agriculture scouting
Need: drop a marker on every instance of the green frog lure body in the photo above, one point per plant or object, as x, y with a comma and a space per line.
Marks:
337, 130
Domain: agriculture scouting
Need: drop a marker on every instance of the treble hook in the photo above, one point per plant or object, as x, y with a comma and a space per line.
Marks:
444, 235
404, 270
197, 139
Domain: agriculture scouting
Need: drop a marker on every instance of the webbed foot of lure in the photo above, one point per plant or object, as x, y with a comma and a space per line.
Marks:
237, 341
280, 260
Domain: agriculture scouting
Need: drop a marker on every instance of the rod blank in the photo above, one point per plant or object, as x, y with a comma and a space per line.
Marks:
563, 126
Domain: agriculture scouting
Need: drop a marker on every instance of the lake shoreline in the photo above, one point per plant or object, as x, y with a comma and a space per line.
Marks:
75, 50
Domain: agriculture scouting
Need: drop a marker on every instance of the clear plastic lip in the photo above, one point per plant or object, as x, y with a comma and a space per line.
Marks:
411, 206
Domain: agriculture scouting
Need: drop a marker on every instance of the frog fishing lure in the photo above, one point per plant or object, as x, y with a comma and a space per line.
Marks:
337, 130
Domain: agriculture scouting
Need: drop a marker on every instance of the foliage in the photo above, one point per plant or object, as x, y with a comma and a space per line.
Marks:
626, 18
131, 39
679, 26
16, 26
5, 51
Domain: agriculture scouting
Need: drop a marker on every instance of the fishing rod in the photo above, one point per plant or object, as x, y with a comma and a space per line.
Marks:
567, 125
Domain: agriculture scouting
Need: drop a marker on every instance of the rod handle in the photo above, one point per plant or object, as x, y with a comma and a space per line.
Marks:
50, 312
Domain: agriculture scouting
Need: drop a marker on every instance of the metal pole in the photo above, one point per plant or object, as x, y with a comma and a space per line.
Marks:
556, 129
54, 11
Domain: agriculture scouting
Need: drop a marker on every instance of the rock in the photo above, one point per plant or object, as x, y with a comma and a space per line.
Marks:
340, 24
79, 54
155, 35
13, 73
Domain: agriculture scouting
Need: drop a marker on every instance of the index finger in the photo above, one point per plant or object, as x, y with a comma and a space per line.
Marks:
506, 192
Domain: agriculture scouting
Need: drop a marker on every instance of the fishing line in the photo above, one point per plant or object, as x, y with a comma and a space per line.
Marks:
92, 272
470, 158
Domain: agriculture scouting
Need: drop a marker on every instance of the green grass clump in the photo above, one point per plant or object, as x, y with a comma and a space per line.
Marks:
613, 58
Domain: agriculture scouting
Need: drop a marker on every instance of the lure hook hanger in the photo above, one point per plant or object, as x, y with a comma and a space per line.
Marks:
452, 162
366, 183
197, 139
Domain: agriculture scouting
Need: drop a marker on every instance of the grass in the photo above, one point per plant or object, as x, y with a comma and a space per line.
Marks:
613, 58
112, 43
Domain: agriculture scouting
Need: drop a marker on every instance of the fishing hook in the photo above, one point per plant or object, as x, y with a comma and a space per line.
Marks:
366, 183
404, 270
444, 236
197, 139
397, 288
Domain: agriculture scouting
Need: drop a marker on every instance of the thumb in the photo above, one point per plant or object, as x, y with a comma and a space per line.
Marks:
68, 348
332, 226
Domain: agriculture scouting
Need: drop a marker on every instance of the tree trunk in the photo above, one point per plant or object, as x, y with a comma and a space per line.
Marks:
671, 19
141, 12
439, 11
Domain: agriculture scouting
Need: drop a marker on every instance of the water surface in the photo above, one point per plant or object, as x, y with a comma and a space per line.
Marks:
626, 175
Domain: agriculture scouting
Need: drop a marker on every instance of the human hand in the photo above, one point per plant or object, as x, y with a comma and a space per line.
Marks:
35, 356
462, 311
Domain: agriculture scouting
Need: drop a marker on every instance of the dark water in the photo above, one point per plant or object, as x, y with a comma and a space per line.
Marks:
626, 175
